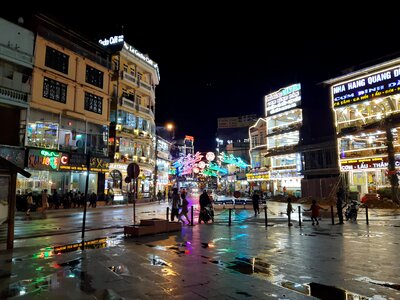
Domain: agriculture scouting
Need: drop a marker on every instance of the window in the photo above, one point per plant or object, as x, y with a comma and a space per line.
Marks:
56, 60
54, 90
94, 76
93, 103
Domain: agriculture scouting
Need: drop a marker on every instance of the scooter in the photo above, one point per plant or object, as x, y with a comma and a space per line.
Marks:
351, 211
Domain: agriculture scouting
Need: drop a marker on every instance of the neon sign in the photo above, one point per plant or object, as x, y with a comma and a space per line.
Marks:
231, 159
43, 159
143, 57
185, 165
112, 40
284, 99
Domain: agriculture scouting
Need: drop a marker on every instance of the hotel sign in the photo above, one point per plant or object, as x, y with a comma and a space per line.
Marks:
366, 163
380, 84
112, 40
143, 57
285, 99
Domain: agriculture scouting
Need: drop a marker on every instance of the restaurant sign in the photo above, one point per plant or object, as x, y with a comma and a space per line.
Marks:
366, 163
43, 159
77, 162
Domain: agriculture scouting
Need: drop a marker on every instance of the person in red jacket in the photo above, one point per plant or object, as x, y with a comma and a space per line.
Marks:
314, 211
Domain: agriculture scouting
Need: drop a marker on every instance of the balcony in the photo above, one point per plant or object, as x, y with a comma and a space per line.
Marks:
129, 78
13, 97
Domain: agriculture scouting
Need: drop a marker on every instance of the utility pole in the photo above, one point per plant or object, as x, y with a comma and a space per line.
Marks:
86, 198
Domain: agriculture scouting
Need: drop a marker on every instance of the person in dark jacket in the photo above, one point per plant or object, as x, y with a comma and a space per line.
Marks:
256, 203
204, 202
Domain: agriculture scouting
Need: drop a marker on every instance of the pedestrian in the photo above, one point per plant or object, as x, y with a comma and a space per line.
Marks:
340, 204
56, 199
45, 201
159, 196
29, 203
204, 202
289, 210
175, 204
164, 195
314, 208
184, 209
92, 200
211, 204
256, 203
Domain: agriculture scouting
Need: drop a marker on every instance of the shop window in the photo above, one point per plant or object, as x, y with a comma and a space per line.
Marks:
56, 60
42, 135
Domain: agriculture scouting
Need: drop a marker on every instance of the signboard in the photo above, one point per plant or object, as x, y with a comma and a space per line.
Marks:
77, 162
285, 99
112, 40
260, 176
43, 159
133, 170
366, 163
379, 84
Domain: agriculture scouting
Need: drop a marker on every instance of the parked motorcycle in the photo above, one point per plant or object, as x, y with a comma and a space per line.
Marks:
352, 210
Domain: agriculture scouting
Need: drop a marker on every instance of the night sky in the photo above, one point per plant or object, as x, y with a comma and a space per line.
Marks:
222, 61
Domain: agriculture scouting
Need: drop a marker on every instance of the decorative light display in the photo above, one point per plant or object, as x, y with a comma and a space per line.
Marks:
185, 165
234, 160
210, 156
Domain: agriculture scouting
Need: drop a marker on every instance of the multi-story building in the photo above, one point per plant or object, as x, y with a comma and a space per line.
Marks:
233, 135
258, 175
284, 119
163, 164
68, 116
366, 105
16, 65
132, 132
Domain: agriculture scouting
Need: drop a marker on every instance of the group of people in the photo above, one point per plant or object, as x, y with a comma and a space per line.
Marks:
179, 201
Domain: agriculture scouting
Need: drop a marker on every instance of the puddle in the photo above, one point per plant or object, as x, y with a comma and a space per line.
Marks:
391, 285
120, 269
91, 244
249, 266
244, 294
157, 261
322, 291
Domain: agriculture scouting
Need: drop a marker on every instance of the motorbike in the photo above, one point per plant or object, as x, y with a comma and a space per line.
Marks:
351, 211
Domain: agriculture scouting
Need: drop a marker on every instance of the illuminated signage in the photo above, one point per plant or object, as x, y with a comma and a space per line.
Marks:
189, 137
366, 163
43, 159
284, 99
77, 162
112, 40
143, 57
381, 84
210, 156
260, 176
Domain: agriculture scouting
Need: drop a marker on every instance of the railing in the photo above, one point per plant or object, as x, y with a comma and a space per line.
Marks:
13, 94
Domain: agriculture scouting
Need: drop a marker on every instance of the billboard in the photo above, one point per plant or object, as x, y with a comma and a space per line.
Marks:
368, 87
284, 99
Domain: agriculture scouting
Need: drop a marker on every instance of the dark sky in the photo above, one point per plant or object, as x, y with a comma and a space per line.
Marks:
222, 61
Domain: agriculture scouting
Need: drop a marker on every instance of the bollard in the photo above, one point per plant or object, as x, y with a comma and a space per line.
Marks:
289, 223
192, 217
134, 212
299, 215
266, 217
333, 219
230, 216
366, 214
167, 213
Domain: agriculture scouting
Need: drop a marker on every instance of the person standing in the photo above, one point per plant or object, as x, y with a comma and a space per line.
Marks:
256, 203
289, 210
45, 201
339, 204
204, 201
175, 204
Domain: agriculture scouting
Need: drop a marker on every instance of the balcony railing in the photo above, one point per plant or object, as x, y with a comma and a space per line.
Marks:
13, 95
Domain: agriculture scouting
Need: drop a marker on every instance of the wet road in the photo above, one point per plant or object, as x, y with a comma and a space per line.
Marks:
213, 261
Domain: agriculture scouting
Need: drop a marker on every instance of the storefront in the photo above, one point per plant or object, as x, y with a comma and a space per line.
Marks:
53, 170
366, 104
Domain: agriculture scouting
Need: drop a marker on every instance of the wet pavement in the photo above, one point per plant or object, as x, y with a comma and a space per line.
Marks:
211, 261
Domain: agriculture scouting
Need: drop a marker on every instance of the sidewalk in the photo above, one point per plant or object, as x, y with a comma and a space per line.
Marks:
208, 261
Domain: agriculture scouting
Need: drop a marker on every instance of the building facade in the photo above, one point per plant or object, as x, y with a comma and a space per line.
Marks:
163, 165
132, 132
68, 116
16, 66
259, 176
366, 106
284, 119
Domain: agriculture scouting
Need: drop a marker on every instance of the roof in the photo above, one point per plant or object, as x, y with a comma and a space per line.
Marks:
4, 163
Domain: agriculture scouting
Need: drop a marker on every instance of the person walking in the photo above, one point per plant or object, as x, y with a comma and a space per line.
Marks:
29, 204
256, 203
45, 201
159, 196
184, 209
315, 208
289, 210
204, 201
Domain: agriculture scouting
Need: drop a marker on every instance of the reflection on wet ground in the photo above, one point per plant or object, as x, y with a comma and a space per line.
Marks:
119, 269
394, 286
